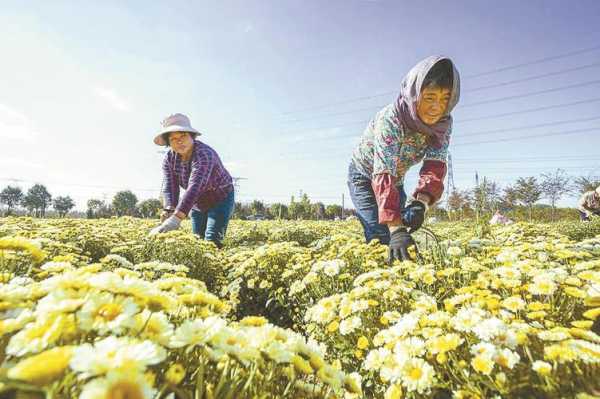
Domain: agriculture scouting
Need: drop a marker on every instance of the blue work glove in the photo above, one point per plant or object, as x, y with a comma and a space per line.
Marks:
171, 223
413, 215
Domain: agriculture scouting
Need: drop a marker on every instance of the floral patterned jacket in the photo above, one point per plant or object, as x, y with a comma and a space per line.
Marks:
385, 153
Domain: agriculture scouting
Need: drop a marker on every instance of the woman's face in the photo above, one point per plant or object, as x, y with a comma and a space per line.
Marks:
433, 104
181, 142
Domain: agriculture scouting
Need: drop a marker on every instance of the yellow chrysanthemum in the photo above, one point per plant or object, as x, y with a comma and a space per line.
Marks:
175, 374
43, 368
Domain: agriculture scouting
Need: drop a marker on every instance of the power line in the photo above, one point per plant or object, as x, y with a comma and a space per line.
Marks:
533, 136
489, 72
535, 62
535, 126
528, 110
529, 78
508, 139
492, 86
486, 117
533, 93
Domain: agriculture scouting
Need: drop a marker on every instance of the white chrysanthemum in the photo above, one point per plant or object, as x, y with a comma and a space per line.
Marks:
556, 335
153, 326
234, 343
542, 285
107, 313
297, 287
118, 385
114, 353
349, 325
507, 358
406, 324
507, 256
197, 332
376, 358
454, 251
411, 347
121, 261
485, 349
39, 335
57, 267
489, 328
60, 301
513, 303
417, 375
541, 367
467, 318
509, 273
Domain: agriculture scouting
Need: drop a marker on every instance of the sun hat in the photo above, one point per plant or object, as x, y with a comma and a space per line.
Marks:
174, 123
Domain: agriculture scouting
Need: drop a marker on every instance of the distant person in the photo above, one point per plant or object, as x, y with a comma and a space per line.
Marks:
417, 127
499, 218
196, 167
589, 204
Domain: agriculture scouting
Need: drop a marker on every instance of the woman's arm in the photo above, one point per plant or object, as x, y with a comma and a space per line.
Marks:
386, 143
433, 172
170, 189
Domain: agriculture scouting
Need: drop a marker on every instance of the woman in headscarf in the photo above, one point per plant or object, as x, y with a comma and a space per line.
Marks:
589, 204
196, 167
417, 127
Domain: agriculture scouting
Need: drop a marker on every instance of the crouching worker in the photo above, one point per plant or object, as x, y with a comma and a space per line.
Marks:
196, 167
415, 128
589, 204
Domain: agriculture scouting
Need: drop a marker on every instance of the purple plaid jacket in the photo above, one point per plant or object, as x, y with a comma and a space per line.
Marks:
204, 177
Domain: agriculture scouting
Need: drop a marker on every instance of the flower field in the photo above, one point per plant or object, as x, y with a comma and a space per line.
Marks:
97, 309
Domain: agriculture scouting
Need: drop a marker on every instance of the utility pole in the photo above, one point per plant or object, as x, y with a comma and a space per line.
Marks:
342, 206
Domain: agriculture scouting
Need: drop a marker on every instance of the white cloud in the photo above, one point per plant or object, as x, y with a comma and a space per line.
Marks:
15, 125
113, 99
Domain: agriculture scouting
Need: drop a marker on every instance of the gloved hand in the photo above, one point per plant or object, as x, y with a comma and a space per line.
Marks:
171, 223
164, 215
413, 215
400, 241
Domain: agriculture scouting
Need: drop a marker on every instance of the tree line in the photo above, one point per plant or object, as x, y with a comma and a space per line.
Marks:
519, 199
521, 196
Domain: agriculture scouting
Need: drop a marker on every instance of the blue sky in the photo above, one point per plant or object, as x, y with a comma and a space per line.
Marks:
274, 84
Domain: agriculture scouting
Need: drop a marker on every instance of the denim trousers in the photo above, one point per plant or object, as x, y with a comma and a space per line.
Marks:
212, 224
363, 198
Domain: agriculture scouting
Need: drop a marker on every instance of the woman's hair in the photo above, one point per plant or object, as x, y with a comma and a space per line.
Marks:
165, 137
440, 75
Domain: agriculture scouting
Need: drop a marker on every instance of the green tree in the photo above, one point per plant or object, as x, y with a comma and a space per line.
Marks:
554, 186
124, 203
63, 205
149, 208
528, 192
583, 184
332, 211
97, 208
486, 196
257, 207
278, 211
11, 197
459, 201
37, 199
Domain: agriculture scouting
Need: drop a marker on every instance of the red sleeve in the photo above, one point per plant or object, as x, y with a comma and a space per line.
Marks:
388, 198
431, 179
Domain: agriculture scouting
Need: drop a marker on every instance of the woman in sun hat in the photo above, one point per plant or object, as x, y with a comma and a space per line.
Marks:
415, 128
589, 204
196, 167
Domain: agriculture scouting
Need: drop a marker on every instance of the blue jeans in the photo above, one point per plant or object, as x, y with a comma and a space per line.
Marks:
363, 198
212, 224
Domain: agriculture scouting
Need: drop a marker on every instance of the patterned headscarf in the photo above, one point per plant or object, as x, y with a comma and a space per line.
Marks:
410, 93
